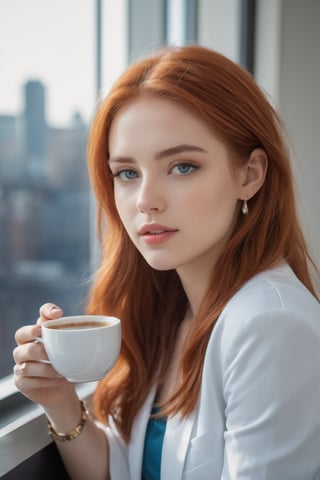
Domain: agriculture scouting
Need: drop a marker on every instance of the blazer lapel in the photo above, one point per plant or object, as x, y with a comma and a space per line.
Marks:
137, 439
175, 446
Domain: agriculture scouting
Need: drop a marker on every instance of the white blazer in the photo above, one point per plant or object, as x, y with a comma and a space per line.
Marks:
258, 414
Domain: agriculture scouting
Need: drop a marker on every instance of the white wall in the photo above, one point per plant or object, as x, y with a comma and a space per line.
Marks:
267, 49
219, 26
288, 68
299, 100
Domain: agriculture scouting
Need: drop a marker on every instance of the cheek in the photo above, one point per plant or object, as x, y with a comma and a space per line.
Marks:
122, 202
126, 211
214, 208
118, 204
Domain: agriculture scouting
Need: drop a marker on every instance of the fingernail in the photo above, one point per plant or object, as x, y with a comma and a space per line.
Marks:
54, 309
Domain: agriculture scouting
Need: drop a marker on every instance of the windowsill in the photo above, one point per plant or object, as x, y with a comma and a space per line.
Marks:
26, 431
7, 387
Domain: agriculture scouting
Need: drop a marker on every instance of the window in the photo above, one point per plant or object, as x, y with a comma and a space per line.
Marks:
47, 98
52, 69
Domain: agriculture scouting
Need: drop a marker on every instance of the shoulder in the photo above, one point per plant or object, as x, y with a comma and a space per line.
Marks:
275, 290
271, 308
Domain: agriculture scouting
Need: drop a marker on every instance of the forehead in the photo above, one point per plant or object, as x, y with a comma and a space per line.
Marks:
159, 121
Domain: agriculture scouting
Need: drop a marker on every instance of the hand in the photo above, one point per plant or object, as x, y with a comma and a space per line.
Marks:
39, 381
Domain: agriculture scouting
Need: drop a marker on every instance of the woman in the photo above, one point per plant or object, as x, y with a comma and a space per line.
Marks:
206, 265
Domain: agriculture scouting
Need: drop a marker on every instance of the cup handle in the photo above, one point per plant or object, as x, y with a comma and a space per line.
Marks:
40, 340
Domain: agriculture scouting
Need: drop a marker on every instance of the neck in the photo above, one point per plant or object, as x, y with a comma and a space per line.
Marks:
195, 283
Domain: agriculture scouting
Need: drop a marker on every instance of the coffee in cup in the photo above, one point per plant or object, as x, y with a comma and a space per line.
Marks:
78, 325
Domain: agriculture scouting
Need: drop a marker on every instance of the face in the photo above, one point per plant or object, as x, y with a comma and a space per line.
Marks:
175, 190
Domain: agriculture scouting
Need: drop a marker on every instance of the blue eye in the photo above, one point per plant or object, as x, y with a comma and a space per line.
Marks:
125, 175
183, 168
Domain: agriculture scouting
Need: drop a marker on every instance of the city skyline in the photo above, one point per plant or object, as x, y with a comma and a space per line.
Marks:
20, 112
54, 42
28, 141
39, 40
44, 216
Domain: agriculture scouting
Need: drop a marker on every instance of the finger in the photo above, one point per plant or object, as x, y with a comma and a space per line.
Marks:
49, 311
29, 352
27, 334
19, 369
35, 369
28, 384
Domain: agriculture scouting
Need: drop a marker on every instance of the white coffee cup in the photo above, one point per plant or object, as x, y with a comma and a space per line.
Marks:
82, 348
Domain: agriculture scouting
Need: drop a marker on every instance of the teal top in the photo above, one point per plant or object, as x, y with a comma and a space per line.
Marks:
151, 462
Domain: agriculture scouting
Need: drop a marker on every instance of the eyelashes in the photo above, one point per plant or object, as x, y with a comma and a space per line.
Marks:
183, 168
179, 169
125, 174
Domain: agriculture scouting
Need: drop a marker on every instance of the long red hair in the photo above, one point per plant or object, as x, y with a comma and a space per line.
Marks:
151, 304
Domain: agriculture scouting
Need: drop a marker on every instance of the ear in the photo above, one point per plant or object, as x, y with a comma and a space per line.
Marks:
253, 173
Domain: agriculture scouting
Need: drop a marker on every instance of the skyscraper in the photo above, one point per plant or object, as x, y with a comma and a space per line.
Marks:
36, 132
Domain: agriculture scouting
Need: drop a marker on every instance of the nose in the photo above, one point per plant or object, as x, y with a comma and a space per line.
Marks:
150, 197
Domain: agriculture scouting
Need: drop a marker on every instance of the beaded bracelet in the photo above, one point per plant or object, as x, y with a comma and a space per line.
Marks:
66, 437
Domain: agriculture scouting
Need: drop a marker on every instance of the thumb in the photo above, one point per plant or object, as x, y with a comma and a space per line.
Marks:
49, 311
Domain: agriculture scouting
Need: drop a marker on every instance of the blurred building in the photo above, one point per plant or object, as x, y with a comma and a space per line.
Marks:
11, 166
66, 154
35, 127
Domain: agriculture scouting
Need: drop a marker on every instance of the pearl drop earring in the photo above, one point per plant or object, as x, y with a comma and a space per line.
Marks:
245, 208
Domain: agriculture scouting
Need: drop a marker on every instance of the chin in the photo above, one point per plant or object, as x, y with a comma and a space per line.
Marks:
160, 265
161, 268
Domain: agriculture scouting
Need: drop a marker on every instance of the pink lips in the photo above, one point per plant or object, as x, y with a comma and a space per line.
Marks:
154, 234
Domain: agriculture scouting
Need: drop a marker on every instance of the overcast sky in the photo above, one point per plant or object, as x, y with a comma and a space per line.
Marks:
52, 41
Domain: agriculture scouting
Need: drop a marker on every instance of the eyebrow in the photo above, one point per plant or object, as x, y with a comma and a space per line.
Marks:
168, 152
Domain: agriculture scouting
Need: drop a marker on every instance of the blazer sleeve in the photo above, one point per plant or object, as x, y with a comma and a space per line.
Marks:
271, 388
